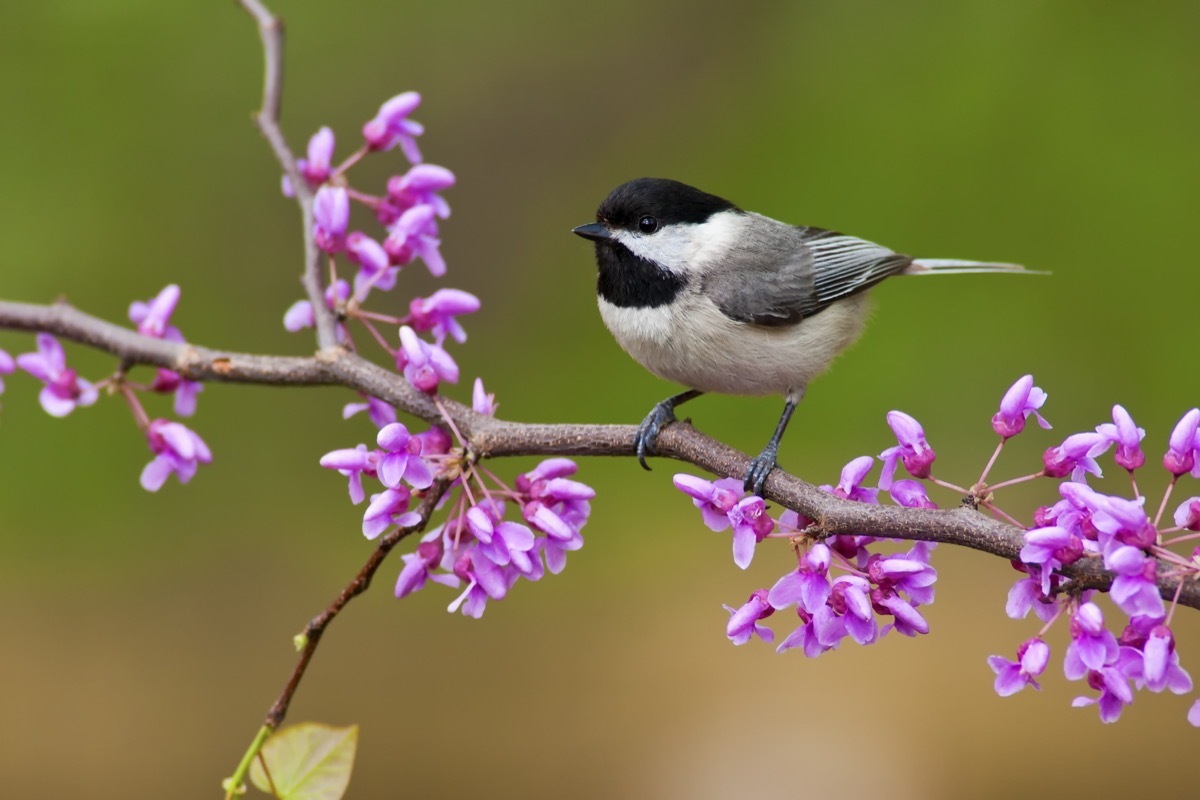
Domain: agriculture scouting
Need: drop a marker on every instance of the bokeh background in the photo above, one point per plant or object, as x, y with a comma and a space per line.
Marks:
145, 635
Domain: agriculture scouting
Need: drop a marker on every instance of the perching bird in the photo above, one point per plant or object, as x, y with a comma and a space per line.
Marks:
723, 300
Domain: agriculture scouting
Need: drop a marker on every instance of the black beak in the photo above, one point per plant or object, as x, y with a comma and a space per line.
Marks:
593, 230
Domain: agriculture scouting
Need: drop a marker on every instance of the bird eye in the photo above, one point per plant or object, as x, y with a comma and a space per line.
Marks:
647, 224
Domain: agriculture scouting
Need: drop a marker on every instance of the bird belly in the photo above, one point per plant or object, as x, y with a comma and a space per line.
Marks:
691, 342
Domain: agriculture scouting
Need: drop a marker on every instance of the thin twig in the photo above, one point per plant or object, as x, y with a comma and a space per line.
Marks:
308, 640
317, 625
270, 28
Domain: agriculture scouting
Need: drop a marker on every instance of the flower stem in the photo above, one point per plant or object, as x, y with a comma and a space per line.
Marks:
947, 485
1166, 495
234, 782
992, 461
1013, 481
997, 510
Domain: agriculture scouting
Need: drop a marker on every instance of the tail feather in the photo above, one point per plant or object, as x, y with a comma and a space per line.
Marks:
956, 266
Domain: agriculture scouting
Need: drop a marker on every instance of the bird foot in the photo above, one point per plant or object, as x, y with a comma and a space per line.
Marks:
760, 468
662, 415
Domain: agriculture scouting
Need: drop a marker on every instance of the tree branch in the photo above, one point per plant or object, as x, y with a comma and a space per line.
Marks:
270, 28
493, 438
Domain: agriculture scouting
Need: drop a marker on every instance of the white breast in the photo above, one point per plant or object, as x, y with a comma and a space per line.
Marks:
691, 342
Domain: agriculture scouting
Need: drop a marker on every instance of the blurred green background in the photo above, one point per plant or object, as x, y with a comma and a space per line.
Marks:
146, 635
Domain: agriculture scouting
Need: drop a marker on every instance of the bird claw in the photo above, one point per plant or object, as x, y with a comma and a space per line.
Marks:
760, 468
647, 433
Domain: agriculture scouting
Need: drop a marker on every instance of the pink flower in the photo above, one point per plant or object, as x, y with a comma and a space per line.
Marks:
64, 389
391, 126
331, 216
912, 451
424, 364
177, 449
1021, 400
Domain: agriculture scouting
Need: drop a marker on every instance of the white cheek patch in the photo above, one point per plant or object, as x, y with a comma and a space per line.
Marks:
685, 247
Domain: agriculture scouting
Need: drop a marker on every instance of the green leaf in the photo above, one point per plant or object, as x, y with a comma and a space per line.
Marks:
309, 761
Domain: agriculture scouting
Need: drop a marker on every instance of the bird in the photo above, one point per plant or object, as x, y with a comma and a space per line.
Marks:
718, 299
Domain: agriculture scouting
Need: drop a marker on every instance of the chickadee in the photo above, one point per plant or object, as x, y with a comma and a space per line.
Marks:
718, 299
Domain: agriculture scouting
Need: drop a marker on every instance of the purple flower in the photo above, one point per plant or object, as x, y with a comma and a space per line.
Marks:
908, 621
176, 449
549, 522
715, 499
1120, 521
751, 524
419, 566
167, 382
1115, 694
1092, 645
1134, 590
388, 508
808, 585
331, 216
7, 366
1026, 594
850, 485
415, 234
300, 314
1160, 663
315, 169
547, 470
500, 541
1126, 436
1050, 548
424, 364
64, 389
1184, 446
379, 412
1013, 676
557, 506
1075, 456
913, 451
903, 573
353, 464
1194, 714
743, 622
1187, 516
851, 600
419, 187
391, 126
1021, 400
481, 401
438, 311
809, 635
401, 459
375, 270
556, 550
473, 600
910, 494
153, 318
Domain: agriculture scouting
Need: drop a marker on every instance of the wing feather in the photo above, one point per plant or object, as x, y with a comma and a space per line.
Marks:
826, 267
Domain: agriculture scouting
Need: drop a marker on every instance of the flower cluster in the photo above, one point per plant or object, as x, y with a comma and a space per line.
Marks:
495, 535
842, 587
1085, 523
177, 449
409, 210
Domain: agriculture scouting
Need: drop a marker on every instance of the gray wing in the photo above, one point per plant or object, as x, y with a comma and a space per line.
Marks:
826, 267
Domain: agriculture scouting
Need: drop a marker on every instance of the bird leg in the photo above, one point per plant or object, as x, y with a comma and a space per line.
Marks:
662, 414
761, 466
